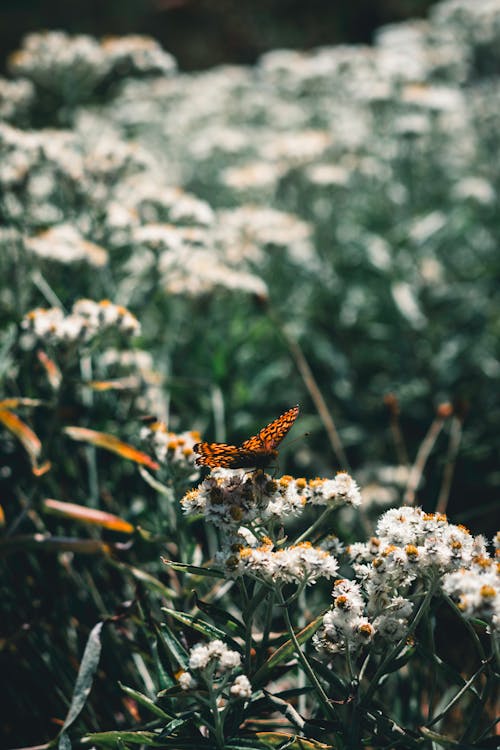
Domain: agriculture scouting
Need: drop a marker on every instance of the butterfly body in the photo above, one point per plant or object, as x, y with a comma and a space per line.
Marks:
256, 452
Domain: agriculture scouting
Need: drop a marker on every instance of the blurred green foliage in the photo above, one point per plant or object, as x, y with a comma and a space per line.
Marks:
344, 199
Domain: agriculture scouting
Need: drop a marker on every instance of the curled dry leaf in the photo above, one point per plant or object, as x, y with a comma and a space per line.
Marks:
26, 437
111, 443
88, 515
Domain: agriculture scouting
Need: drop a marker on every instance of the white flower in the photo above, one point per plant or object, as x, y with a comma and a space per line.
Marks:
216, 653
199, 656
476, 591
342, 490
187, 681
87, 320
241, 687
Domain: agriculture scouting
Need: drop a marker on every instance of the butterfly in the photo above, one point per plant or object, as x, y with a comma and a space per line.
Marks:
258, 451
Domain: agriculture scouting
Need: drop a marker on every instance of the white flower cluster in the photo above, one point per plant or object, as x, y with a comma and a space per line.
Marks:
298, 563
73, 66
232, 498
136, 56
49, 59
344, 626
172, 449
237, 501
16, 98
212, 661
87, 320
355, 620
476, 590
64, 244
410, 545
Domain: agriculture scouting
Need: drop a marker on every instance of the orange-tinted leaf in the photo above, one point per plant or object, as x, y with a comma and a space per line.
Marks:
39, 471
88, 515
120, 384
291, 741
111, 443
52, 370
48, 543
2, 517
26, 437
13, 403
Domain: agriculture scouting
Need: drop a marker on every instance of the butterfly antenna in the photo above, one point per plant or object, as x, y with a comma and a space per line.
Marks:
296, 439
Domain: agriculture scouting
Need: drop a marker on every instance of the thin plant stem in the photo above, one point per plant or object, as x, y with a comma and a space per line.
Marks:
457, 696
423, 454
301, 678
449, 468
218, 724
397, 648
466, 623
267, 622
318, 523
44, 287
313, 388
219, 413
305, 664
90, 451
392, 403
432, 689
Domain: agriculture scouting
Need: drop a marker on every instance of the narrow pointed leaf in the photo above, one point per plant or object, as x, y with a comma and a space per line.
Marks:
145, 700
148, 580
194, 570
48, 543
327, 674
14, 403
85, 678
112, 444
275, 739
219, 615
26, 437
286, 651
120, 384
110, 739
52, 371
88, 515
175, 650
201, 626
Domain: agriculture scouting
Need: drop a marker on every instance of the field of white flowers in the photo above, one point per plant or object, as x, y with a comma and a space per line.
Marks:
184, 257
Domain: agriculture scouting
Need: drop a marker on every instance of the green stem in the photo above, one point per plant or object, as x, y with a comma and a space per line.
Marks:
457, 696
267, 624
398, 647
218, 724
467, 624
323, 698
320, 521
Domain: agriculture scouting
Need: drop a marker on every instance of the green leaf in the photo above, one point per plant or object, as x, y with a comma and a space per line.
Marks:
148, 580
337, 683
401, 661
110, 739
285, 652
172, 726
173, 647
194, 569
84, 680
210, 631
145, 701
164, 678
222, 617
64, 742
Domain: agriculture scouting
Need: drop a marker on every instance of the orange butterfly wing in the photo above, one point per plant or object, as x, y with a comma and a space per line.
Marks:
268, 439
256, 451
216, 454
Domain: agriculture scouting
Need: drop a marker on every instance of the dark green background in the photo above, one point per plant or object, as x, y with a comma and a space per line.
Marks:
202, 33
